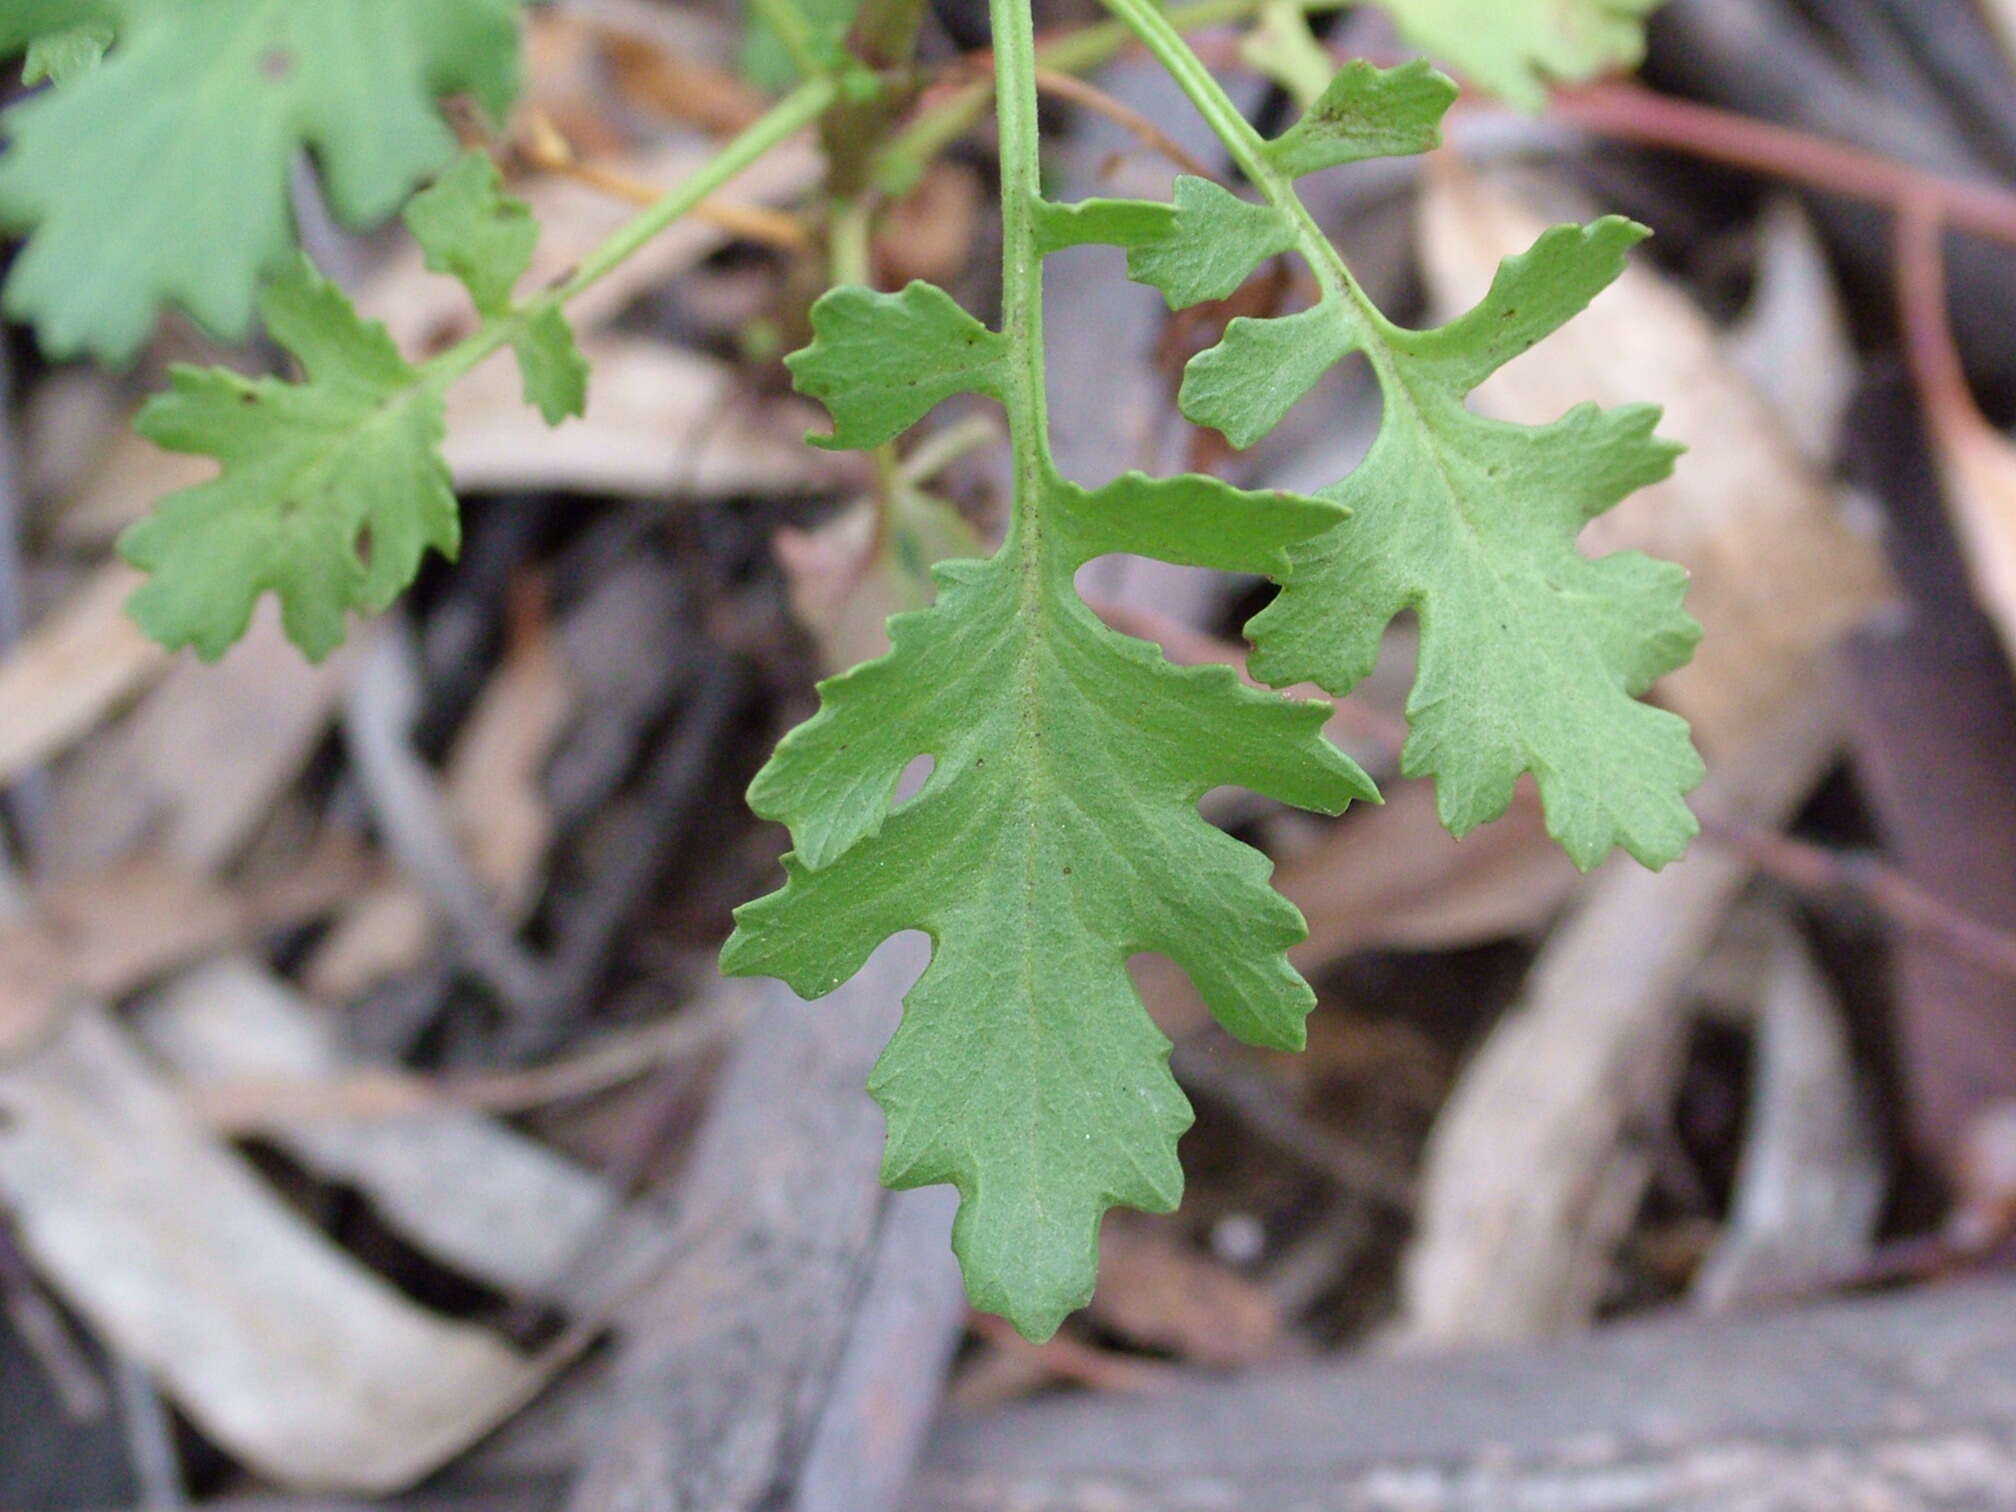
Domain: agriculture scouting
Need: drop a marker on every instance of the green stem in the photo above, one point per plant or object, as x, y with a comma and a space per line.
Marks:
788, 116
1148, 22
900, 162
1021, 262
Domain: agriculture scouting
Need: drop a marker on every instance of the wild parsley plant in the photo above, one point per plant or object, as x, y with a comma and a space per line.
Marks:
1059, 832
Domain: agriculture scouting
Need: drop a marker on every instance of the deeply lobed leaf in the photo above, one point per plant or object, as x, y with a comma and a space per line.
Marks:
308, 470
1532, 656
1057, 836
161, 176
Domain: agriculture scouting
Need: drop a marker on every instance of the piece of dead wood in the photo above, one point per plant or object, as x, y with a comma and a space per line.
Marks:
886, 1388
726, 1359
1530, 1180
1778, 574
283, 1349
72, 670
492, 794
1810, 1182
1903, 1402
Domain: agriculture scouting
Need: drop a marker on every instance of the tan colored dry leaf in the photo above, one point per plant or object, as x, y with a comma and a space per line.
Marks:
72, 671
284, 1350
102, 936
1393, 878
1778, 573
1978, 468
1154, 1292
478, 1196
661, 421
197, 765
2002, 16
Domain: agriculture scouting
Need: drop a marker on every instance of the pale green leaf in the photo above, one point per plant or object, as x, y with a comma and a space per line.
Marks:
1366, 112
881, 362
58, 57
1515, 48
555, 372
162, 175
1531, 655
469, 228
331, 491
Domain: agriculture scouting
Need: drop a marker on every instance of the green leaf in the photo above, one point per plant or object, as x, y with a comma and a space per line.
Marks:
162, 176
1532, 655
879, 362
555, 372
469, 228
331, 490
1367, 112
1057, 836
1514, 48
61, 56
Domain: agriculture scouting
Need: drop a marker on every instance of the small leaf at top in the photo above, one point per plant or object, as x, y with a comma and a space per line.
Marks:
331, 491
1367, 112
881, 362
469, 228
1203, 246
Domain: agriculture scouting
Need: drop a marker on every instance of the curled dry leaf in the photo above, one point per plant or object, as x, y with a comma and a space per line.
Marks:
483, 1199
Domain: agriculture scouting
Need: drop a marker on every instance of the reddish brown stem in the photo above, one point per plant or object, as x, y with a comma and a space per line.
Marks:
1633, 113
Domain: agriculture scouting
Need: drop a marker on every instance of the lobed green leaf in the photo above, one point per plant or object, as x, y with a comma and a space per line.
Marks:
312, 472
1057, 836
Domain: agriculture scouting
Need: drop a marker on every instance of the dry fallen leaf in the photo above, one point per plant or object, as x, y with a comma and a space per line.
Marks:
73, 670
197, 765
490, 1202
288, 1353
